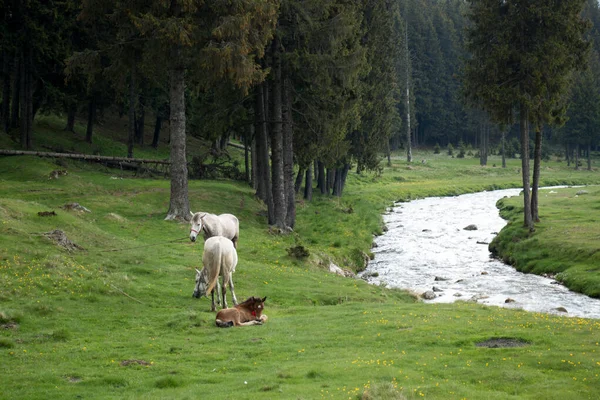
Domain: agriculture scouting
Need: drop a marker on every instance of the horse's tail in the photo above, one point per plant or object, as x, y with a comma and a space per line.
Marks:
215, 254
223, 324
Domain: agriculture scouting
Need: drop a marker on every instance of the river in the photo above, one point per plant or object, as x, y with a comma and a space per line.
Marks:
426, 246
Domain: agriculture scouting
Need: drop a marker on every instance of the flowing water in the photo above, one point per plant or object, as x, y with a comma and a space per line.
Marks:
426, 246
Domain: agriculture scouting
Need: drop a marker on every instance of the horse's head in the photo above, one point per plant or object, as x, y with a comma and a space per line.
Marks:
255, 305
201, 285
260, 303
196, 223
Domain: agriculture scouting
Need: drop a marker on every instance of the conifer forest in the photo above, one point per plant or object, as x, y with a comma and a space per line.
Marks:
311, 89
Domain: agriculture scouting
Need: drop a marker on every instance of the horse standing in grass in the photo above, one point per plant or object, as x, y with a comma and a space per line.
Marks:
226, 225
247, 313
219, 258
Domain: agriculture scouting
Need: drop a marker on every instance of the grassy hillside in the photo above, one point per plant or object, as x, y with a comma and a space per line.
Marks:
115, 318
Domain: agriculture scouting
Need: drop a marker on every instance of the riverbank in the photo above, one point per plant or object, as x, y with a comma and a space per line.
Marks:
566, 241
115, 318
437, 247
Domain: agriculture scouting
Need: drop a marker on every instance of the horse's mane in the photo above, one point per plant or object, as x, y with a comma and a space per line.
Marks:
250, 300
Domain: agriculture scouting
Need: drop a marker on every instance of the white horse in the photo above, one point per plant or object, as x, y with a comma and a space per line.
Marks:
226, 225
219, 258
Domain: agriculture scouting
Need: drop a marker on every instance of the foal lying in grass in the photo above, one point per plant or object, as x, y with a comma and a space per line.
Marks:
247, 313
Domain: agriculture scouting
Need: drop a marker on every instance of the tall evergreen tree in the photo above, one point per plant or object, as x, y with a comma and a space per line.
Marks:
582, 126
34, 39
379, 86
220, 41
522, 56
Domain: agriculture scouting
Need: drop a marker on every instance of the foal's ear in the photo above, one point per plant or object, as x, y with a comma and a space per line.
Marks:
191, 213
265, 298
197, 270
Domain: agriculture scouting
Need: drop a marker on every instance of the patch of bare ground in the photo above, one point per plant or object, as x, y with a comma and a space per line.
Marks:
125, 363
495, 343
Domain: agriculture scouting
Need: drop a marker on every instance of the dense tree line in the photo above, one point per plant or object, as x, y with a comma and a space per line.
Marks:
313, 88
522, 58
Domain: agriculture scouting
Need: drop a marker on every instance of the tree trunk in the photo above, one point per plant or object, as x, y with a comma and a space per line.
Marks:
589, 157
254, 156
288, 155
407, 101
179, 206
337, 182
567, 154
222, 142
247, 136
524, 127
26, 95
335, 186
91, 118
537, 160
36, 101
308, 189
299, 177
71, 113
157, 128
261, 144
263, 180
279, 203
321, 180
16, 92
139, 124
503, 148
131, 117
389, 155
345, 170
6, 91
23, 126
577, 157
481, 145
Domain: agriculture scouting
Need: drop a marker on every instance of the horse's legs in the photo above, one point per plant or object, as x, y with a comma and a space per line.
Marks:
235, 302
223, 291
213, 307
218, 289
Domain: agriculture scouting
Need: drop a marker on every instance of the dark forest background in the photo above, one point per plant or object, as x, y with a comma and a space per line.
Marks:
312, 88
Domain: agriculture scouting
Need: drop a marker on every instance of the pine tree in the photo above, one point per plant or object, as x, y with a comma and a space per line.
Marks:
583, 112
379, 86
33, 44
220, 43
522, 57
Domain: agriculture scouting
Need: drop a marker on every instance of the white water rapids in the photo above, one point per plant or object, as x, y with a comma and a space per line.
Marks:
426, 240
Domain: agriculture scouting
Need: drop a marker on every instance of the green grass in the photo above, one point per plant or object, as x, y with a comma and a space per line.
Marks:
117, 319
565, 242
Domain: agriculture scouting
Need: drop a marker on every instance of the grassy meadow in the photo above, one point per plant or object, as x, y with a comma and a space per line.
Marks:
566, 243
115, 318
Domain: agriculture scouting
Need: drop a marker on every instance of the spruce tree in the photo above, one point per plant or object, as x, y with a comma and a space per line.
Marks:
522, 55
194, 42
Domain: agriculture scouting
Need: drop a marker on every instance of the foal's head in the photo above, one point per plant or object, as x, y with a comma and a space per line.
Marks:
254, 304
196, 223
201, 285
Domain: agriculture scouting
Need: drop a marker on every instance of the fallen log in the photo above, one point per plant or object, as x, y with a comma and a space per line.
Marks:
88, 157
